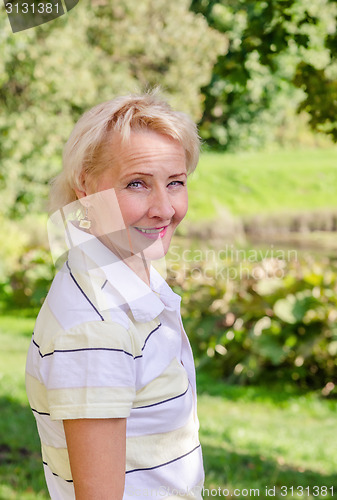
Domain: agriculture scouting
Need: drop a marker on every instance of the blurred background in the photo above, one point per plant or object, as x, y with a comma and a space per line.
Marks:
255, 260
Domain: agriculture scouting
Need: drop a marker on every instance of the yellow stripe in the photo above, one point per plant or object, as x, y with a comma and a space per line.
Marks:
42, 336
95, 335
37, 394
57, 460
102, 334
106, 335
141, 331
144, 452
90, 402
171, 383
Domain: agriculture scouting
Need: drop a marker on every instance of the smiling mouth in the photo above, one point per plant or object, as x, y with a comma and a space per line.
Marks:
151, 231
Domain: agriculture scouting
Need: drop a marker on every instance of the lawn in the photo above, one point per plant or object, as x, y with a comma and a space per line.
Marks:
253, 438
256, 438
264, 182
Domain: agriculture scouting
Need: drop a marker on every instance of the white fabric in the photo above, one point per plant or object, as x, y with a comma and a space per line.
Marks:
107, 345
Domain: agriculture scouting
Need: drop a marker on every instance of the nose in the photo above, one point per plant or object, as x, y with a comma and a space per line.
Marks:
161, 205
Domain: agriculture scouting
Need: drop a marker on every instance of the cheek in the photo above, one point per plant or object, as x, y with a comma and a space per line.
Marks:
181, 206
132, 209
104, 211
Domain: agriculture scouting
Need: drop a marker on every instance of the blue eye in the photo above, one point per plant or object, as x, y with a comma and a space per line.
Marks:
177, 183
134, 184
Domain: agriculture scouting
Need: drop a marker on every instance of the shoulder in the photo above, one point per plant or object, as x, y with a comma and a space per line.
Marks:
68, 302
66, 322
50, 335
72, 317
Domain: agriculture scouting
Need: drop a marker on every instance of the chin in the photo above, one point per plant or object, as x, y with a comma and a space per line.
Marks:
156, 251
151, 249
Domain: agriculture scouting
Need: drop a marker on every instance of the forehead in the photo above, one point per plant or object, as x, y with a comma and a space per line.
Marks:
146, 148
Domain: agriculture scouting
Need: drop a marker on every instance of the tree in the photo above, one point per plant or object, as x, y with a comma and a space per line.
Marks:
320, 87
49, 75
253, 91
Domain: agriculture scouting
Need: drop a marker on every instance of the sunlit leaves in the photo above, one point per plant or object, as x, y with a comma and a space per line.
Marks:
51, 74
270, 328
252, 96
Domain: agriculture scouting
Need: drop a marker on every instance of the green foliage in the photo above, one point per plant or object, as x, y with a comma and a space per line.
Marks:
270, 320
317, 76
30, 282
26, 267
12, 247
252, 93
162, 43
49, 75
320, 86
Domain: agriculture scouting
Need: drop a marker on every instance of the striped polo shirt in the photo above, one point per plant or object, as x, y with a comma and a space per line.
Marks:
106, 345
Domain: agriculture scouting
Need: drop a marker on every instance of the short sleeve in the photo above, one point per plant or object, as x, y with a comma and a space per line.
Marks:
90, 373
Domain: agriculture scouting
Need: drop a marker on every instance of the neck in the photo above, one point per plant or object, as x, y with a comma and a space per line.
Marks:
140, 266
136, 262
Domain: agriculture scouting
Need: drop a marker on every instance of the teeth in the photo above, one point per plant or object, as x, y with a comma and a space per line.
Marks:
150, 230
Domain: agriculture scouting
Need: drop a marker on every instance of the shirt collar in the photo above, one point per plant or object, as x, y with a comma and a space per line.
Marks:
113, 283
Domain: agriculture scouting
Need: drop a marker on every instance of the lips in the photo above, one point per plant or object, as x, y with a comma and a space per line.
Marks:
153, 233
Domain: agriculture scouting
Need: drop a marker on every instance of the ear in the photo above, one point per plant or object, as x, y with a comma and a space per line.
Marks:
80, 194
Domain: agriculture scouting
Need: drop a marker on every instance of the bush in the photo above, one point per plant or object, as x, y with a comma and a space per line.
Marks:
275, 321
26, 267
28, 285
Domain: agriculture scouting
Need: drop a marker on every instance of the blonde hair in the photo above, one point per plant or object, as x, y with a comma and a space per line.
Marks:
86, 151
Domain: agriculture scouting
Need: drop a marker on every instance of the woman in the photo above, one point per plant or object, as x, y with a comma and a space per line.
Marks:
110, 374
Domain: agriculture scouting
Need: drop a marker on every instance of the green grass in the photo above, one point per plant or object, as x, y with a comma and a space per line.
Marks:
252, 438
259, 437
21, 474
266, 182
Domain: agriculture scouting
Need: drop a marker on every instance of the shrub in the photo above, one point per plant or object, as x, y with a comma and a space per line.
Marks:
274, 321
26, 268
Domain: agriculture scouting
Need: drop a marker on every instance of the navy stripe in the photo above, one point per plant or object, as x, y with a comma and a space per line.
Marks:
161, 402
40, 412
54, 474
95, 348
166, 463
78, 286
82, 349
105, 282
149, 335
42, 355
134, 470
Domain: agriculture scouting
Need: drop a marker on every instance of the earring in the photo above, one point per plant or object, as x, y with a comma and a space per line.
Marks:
85, 223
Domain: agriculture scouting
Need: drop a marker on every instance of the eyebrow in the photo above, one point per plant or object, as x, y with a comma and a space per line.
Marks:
133, 174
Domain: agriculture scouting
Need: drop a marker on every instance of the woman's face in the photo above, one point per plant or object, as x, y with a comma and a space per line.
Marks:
141, 199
